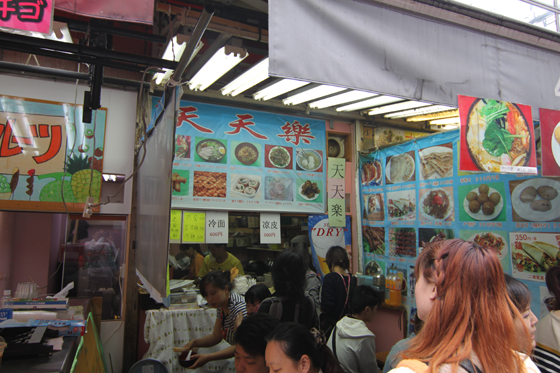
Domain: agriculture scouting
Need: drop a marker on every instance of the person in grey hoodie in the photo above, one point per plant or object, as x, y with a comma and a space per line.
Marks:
351, 341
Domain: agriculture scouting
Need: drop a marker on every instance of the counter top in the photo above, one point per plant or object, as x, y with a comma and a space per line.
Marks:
60, 361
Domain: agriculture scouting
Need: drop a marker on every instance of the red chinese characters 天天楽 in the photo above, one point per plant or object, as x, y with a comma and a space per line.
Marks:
186, 114
24, 10
6, 132
243, 122
293, 132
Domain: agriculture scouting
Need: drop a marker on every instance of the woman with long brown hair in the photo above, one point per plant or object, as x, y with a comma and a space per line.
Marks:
468, 318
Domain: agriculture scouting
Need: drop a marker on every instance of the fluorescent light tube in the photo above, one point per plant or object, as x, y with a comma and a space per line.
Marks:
249, 78
396, 107
225, 59
419, 111
173, 52
341, 99
376, 101
453, 120
278, 88
312, 94
432, 116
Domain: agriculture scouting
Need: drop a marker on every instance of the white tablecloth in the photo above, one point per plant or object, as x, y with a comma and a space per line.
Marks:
165, 329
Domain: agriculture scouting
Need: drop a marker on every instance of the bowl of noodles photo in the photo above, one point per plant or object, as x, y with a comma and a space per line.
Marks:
498, 135
246, 153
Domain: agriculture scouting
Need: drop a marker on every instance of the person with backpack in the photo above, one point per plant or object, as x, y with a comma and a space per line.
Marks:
290, 302
351, 342
547, 336
336, 292
469, 320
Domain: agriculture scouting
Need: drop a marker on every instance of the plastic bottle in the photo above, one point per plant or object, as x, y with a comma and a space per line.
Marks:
395, 299
6, 298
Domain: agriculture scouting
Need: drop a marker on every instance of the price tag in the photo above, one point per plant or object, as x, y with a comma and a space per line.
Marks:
270, 228
518, 169
216, 227
193, 227
175, 226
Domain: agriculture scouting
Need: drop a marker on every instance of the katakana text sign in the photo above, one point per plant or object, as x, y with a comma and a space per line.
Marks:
36, 139
27, 15
236, 159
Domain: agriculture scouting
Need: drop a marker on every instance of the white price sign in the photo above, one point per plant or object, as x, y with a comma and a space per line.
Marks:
270, 228
217, 227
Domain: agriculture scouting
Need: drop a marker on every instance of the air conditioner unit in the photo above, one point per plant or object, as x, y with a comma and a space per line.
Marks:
336, 147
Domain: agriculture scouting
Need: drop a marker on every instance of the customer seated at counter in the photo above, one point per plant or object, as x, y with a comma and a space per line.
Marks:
216, 287
290, 302
219, 260
250, 343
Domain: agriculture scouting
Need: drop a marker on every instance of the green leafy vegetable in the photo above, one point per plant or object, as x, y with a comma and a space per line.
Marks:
497, 140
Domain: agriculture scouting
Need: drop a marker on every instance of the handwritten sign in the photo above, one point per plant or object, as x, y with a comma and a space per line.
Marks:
175, 226
336, 192
270, 228
216, 227
193, 227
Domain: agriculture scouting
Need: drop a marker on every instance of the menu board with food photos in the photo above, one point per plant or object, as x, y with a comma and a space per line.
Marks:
413, 194
236, 159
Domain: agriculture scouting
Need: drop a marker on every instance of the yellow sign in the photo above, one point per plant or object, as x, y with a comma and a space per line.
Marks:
89, 358
175, 226
193, 226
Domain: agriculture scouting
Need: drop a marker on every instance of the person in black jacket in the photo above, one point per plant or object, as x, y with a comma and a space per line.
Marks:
338, 287
290, 302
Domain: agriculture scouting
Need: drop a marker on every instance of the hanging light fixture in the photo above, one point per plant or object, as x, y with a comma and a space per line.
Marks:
373, 102
445, 121
438, 115
173, 52
397, 107
341, 99
419, 111
225, 59
311, 94
278, 88
248, 79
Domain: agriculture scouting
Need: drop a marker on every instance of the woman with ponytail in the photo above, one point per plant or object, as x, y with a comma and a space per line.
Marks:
468, 317
290, 302
547, 352
216, 287
292, 348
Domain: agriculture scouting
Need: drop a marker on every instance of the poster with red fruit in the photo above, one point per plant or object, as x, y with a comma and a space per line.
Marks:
48, 156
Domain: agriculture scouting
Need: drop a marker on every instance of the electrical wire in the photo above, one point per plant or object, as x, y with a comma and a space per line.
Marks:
140, 104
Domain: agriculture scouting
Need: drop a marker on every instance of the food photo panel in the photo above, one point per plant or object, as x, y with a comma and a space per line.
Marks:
309, 160
497, 241
210, 184
535, 199
279, 188
245, 186
309, 191
372, 173
401, 205
436, 162
482, 202
246, 154
373, 239
400, 168
428, 236
374, 208
533, 253
182, 147
550, 141
496, 136
210, 150
280, 157
402, 242
436, 204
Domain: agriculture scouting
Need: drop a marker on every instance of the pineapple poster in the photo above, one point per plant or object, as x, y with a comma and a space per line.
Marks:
36, 139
